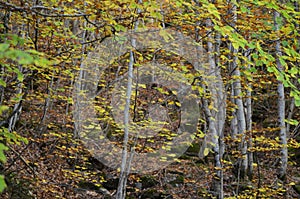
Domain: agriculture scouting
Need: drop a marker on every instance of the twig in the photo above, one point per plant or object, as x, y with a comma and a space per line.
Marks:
22, 159
12, 7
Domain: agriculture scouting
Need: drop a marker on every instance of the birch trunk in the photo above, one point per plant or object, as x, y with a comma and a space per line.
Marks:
240, 111
18, 106
281, 105
121, 193
215, 115
126, 162
82, 71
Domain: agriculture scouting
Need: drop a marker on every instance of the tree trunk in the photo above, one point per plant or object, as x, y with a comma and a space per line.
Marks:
240, 111
17, 107
126, 162
215, 115
249, 125
281, 105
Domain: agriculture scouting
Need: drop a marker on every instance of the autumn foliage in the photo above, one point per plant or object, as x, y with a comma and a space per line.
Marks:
254, 46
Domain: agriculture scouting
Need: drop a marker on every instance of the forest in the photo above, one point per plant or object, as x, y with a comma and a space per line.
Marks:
149, 99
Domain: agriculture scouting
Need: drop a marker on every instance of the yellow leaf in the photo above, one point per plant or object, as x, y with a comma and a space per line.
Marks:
142, 85
171, 103
178, 104
206, 151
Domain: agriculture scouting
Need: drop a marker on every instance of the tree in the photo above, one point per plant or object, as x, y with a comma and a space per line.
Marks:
281, 103
248, 96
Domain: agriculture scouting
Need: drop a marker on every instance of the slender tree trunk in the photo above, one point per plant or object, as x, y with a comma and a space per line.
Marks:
82, 71
240, 111
281, 105
126, 162
47, 104
249, 125
121, 193
3, 76
216, 115
17, 107
233, 121
221, 115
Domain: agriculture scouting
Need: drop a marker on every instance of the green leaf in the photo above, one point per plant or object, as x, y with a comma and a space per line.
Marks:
293, 71
211, 8
297, 103
292, 122
282, 61
3, 108
2, 83
25, 58
16, 40
2, 183
4, 47
119, 27
235, 45
20, 75
2, 155
296, 95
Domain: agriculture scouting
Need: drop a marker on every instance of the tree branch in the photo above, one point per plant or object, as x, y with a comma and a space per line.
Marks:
14, 8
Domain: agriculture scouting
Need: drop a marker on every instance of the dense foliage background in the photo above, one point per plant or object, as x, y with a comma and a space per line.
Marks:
252, 45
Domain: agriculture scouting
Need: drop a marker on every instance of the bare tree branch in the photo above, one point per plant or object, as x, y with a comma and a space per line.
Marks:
14, 8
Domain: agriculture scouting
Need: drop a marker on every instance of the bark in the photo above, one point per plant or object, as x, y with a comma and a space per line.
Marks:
281, 105
214, 107
17, 107
2, 88
47, 105
82, 72
121, 193
238, 100
249, 126
233, 122
240, 115
290, 115
215, 115
292, 104
126, 162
